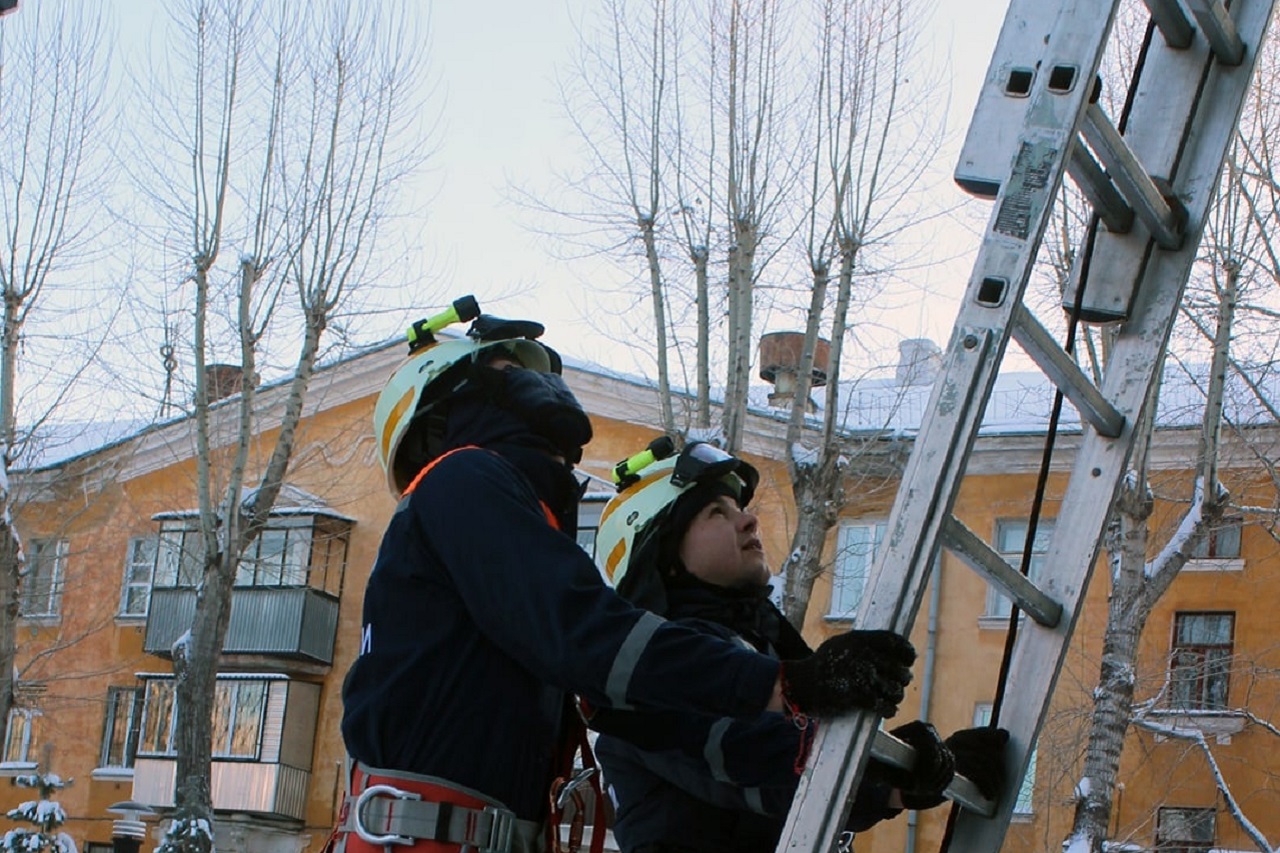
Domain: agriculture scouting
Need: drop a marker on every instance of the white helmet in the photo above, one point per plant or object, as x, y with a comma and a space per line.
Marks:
649, 484
429, 376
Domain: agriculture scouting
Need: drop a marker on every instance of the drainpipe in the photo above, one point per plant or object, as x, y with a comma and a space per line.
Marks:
926, 682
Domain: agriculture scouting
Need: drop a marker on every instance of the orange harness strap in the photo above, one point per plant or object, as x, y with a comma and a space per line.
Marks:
546, 510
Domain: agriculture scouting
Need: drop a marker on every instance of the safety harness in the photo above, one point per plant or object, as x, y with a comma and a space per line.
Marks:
427, 814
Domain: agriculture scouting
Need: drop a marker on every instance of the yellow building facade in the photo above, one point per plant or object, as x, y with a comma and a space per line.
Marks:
109, 590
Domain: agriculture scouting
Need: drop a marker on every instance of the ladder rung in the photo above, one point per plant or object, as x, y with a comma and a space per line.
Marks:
1161, 220
889, 750
1115, 212
1035, 339
1219, 30
1172, 21
983, 559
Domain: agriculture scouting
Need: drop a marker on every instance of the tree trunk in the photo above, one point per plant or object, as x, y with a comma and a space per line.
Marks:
818, 501
741, 273
1113, 700
195, 668
657, 294
10, 571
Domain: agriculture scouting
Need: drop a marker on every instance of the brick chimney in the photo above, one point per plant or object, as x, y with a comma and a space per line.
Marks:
780, 354
223, 380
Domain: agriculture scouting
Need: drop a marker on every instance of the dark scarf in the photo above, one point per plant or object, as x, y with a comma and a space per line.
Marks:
474, 420
747, 611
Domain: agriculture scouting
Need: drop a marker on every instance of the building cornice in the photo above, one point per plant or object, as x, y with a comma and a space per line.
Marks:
604, 395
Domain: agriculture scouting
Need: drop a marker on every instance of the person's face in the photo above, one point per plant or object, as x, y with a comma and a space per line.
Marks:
722, 546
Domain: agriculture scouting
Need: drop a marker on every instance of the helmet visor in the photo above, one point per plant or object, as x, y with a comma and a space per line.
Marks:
700, 462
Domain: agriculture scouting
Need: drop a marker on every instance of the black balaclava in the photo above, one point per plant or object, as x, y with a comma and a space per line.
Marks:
472, 417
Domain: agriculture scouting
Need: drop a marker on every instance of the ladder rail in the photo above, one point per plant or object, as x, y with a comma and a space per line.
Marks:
1100, 459
1180, 134
935, 467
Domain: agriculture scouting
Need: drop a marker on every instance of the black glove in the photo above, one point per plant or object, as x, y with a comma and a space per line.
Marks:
865, 670
920, 787
979, 755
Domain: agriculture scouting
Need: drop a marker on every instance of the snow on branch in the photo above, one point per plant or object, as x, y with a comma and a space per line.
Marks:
1197, 737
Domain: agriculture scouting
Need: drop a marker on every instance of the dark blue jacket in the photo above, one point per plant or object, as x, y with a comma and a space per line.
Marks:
479, 617
707, 784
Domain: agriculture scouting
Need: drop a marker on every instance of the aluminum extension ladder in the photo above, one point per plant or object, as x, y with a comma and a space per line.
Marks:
1035, 120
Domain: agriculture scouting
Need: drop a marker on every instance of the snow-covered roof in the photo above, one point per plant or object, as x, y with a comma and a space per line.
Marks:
1021, 402
291, 501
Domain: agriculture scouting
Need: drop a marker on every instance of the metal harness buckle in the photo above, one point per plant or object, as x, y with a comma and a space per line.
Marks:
357, 819
501, 830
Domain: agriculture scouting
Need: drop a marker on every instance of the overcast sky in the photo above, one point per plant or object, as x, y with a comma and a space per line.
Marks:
501, 122
497, 63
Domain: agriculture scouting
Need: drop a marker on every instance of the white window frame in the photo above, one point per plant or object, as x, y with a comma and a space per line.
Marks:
227, 695
36, 562
1012, 534
139, 573
858, 544
131, 698
590, 508
28, 742
1024, 807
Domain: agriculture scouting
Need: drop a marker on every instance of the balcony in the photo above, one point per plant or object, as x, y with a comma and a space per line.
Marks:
286, 623
265, 729
273, 790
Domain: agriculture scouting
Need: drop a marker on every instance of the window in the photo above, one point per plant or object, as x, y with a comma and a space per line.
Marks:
237, 718
1201, 660
21, 738
178, 558
120, 731
589, 511
139, 566
1220, 542
239, 708
279, 556
856, 548
982, 717
42, 578
294, 550
1011, 541
1184, 830
158, 718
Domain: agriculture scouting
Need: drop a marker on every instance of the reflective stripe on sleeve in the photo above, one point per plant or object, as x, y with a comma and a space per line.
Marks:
713, 751
754, 800
624, 663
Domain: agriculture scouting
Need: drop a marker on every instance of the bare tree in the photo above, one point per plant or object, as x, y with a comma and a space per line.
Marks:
679, 109
289, 121
53, 71
723, 155
861, 174
1235, 276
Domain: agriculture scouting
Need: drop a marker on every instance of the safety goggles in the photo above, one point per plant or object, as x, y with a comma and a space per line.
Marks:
700, 462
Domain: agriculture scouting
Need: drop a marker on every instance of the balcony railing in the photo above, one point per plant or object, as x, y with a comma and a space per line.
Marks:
297, 622
276, 790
